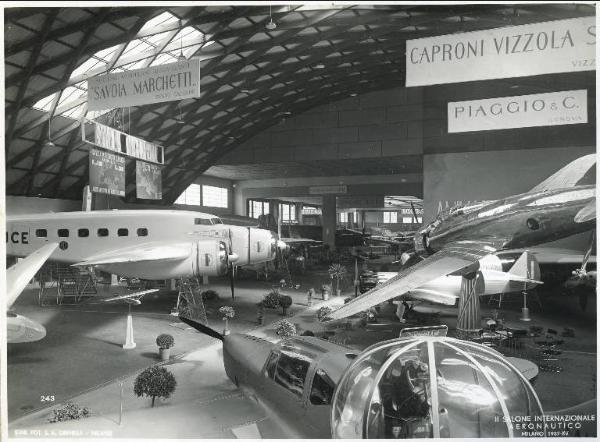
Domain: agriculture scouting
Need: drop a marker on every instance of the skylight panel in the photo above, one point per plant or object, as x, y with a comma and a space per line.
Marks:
70, 94
45, 103
161, 19
156, 40
163, 59
75, 112
136, 47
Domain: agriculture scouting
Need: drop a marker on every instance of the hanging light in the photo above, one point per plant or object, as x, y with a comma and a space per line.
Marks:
181, 57
49, 142
271, 25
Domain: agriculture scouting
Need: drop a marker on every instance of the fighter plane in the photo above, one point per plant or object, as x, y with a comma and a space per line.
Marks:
19, 328
147, 244
454, 243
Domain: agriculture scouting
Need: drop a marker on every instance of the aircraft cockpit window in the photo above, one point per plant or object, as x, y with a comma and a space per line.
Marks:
322, 389
102, 232
123, 232
63, 233
83, 233
291, 373
271, 364
202, 221
41, 233
142, 231
216, 221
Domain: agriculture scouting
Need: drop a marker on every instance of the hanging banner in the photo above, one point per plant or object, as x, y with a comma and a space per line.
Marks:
155, 84
107, 173
551, 109
148, 182
514, 51
323, 190
106, 137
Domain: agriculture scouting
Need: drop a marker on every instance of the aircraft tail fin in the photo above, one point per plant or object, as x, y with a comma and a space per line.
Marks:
577, 172
588, 213
526, 269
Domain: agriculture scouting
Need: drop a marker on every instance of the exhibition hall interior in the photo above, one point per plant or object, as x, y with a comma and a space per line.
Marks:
318, 220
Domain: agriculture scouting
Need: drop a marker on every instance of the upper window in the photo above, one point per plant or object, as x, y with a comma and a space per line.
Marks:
190, 196
41, 233
257, 208
322, 388
213, 196
343, 217
288, 212
202, 221
63, 233
83, 233
390, 217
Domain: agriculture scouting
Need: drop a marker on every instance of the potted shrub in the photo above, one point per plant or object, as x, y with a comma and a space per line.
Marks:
323, 313
271, 299
285, 302
337, 272
285, 328
154, 382
165, 342
228, 313
69, 411
325, 291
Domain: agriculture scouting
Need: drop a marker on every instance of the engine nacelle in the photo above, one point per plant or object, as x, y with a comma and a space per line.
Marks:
212, 258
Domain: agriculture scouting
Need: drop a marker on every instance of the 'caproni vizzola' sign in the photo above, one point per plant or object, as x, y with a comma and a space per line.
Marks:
515, 51
551, 109
156, 84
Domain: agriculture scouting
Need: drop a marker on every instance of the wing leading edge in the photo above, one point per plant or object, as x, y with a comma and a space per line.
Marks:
453, 259
145, 252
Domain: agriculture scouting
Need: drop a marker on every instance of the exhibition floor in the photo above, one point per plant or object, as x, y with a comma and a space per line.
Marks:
84, 362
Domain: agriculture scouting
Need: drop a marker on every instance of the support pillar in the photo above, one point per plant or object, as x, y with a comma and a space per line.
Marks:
129, 342
469, 313
329, 220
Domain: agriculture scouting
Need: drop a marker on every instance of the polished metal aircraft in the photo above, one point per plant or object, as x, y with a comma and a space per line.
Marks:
561, 206
146, 244
19, 328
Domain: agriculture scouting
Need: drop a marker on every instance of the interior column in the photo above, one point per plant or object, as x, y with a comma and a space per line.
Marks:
329, 220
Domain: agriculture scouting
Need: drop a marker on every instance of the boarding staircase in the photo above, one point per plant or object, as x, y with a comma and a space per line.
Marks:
72, 283
189, 300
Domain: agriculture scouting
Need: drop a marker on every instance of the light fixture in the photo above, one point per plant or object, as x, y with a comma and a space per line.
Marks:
245, 91
180, 119
49, 142
353, 94
288, 113
271, 26
181, 57
319, 66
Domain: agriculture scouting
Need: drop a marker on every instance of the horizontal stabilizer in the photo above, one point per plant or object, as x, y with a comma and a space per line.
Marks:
130, 295
19, 275
577, 172
141, 253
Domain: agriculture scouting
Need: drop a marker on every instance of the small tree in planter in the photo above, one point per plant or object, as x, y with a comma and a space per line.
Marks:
228, 313
285, 302
155, 382
209, 295
337, 273
165, 342
323, 313
325, 291
285, 328
271, 299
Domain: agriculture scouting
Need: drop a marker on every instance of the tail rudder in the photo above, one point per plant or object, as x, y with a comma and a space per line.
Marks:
526, 269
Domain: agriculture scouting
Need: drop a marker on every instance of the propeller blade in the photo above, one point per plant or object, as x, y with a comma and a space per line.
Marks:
202, 328
356, 281
232, 281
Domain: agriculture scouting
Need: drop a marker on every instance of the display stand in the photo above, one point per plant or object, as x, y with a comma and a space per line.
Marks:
469, 315
129, 342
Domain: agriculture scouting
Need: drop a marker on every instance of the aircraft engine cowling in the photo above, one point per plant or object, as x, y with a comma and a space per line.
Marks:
210, 258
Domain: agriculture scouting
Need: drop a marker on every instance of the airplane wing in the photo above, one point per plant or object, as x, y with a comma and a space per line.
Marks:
576, 172
158, 251
18, 275
129, 295
456, 257
300, 241
551, 255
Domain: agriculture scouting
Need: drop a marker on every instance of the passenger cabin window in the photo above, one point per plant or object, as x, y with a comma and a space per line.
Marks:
63, 233
142, 231
291, 373
102, 232
41, 233
83, 233
123, 232
321, 392
202, 221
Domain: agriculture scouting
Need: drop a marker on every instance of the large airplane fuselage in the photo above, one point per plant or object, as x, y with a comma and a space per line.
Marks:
85, 235
517, 221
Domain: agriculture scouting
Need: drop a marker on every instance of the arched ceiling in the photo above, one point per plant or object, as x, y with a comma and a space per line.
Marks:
251, 76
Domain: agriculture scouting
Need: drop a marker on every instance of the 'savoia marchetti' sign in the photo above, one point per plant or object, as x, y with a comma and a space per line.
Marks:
156, 84
515, 51
551, 109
